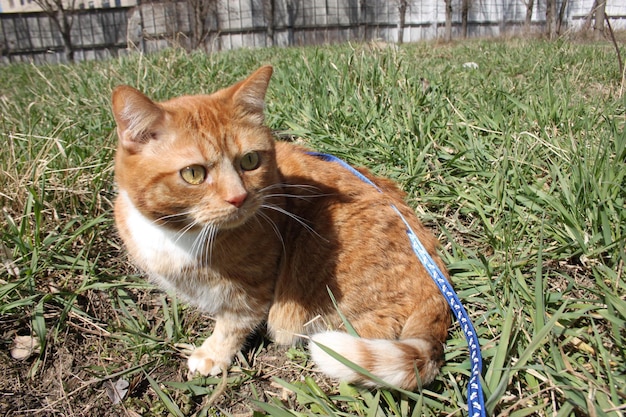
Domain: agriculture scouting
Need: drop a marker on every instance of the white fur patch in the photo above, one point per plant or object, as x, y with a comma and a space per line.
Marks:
343, 344
166, 255
389, 363
156, 243
208, 361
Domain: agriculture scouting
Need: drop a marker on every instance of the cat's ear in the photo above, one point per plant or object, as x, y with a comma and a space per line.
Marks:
249, 94
137, 117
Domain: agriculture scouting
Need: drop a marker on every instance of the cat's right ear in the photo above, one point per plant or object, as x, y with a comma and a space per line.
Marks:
137, 117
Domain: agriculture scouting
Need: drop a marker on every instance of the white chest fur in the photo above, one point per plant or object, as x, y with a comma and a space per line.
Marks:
155, 247
168, 257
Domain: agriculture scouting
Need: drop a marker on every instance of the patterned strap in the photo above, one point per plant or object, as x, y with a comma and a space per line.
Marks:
475, 403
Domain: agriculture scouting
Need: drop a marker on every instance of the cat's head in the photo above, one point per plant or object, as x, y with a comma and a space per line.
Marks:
197, 160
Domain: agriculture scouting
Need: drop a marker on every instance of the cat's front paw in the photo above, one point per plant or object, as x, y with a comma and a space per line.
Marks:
203, 361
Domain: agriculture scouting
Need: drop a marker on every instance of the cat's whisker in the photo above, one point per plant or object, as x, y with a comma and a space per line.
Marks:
285, 194
165, 219
196, 240
203, 240
197, 243
299, 197
274, 227
210, 241
203, 246
183, 231
295, 217
312, 189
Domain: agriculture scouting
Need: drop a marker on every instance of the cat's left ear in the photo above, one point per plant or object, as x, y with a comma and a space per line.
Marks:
249, 95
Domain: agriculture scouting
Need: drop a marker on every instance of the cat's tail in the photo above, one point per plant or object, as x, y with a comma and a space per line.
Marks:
396, 362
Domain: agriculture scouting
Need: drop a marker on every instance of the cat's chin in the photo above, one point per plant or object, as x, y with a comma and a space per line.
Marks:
233, 220
231, 224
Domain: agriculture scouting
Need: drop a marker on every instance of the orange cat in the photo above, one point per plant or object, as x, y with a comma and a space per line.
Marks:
254, 231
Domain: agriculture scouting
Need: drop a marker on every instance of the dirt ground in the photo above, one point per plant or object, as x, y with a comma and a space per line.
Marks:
72, 377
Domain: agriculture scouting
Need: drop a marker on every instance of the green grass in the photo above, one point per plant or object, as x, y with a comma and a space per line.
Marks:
518, 166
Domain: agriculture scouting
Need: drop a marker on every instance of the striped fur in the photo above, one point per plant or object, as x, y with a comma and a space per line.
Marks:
265, 242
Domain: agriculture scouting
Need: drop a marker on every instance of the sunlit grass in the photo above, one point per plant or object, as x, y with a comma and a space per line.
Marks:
518, 166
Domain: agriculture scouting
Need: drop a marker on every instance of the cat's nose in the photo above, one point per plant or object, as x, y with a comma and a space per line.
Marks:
237, 200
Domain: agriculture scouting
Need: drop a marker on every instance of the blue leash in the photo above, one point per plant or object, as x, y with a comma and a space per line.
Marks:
475, 403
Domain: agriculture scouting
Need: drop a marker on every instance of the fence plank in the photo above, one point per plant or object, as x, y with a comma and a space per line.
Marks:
152, 26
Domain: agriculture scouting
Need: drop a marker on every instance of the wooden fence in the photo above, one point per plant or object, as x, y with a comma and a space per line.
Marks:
99, 33
96, 33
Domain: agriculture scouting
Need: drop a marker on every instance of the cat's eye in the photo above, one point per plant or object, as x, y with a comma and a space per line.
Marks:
193, 174
250, 161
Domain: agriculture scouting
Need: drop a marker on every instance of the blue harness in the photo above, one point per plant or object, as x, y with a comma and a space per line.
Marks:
475, 401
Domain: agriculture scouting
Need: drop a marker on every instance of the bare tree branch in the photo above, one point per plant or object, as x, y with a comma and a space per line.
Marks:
561, 17
529, 14
62, 14
465, 7
204, 11
619, 55
268, 14
402, 6
551, 19
448, 20
598, 26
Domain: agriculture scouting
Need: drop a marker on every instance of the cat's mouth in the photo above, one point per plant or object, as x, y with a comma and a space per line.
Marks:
227, 218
